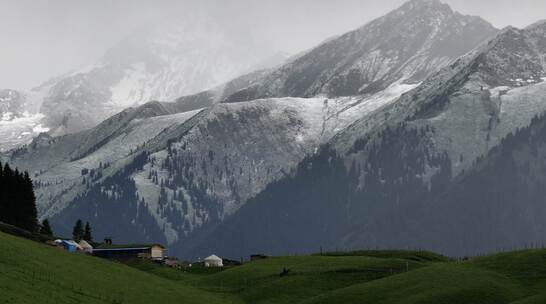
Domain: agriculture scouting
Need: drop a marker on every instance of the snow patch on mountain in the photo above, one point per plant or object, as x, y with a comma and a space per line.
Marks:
21, 129
348, 110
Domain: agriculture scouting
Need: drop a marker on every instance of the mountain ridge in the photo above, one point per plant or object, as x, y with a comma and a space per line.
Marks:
196, 173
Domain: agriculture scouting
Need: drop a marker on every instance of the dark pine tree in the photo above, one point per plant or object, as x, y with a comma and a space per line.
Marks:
27, 211
87, 233
45, 228
17, 200
77, 232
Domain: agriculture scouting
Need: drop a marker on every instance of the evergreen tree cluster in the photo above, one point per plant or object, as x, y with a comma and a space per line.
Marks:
45, 228
80, 232
17, 200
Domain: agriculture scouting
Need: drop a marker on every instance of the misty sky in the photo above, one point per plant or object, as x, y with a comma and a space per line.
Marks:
46, 38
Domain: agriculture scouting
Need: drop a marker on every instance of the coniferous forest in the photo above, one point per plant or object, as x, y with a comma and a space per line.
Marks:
17, 200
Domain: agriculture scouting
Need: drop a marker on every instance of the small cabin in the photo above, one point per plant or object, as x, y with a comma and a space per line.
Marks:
70, 246
154, 252
213, 261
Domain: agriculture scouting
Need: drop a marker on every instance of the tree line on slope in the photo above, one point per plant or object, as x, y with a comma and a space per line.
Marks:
115, 204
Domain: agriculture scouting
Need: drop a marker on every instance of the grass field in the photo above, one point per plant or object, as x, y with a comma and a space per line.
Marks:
31, 272
34, 273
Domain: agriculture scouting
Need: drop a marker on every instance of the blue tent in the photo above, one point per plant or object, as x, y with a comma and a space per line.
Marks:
70, 246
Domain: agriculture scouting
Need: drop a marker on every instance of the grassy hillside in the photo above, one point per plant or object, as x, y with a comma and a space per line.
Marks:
442, 283
31, 272
261, 281
384, 277
34, 273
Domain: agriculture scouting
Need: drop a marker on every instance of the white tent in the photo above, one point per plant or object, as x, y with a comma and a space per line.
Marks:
85, 246
213, 261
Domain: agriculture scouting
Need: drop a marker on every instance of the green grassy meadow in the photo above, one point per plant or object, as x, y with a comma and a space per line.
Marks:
31, 272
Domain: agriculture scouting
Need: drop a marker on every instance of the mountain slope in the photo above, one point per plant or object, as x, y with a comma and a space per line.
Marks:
382, 181
224, 154
506, 189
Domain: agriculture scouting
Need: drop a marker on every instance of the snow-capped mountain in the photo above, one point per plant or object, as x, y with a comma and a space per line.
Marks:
163, 62
407, 44
176, 171
454, 166
169, 60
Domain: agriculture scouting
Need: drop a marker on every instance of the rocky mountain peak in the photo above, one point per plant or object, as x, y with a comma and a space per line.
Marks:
426, 16
408, 44
515, 57
425, 5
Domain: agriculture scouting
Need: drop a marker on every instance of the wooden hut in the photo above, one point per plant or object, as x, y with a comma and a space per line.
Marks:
154, 252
